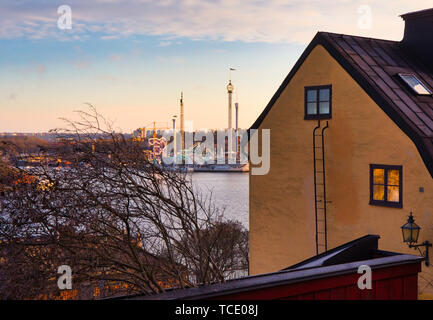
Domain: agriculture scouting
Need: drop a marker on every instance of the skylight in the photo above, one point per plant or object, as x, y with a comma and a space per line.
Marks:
415, 84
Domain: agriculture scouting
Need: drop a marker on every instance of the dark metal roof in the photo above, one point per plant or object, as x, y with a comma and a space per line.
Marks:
344, 259
375, 65
363, 248
417, 14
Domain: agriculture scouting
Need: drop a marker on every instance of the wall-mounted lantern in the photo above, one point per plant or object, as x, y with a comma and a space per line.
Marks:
410, 235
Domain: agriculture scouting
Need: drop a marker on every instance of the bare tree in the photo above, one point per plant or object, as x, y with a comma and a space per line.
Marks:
113, 216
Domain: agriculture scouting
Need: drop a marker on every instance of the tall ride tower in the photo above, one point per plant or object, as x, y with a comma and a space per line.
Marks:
230, 89
237, 115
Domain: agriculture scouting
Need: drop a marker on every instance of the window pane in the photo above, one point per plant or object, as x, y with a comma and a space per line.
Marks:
415, 84
379, 176
379, 193
324, 108
324, 95
394, 177
393, 194
311, 95
312, 108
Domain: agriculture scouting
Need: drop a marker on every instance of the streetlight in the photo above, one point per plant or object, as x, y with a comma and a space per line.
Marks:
410, 232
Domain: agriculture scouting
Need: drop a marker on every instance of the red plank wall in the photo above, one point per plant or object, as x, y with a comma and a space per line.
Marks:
398, 282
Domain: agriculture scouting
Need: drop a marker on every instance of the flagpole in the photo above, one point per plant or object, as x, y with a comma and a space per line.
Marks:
230, 73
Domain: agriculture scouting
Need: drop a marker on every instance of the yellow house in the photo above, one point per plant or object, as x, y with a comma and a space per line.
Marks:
351, 150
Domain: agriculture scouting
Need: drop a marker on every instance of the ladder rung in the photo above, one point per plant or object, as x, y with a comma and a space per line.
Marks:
318, 159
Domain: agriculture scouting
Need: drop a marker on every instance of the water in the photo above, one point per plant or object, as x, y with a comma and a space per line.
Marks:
229, 191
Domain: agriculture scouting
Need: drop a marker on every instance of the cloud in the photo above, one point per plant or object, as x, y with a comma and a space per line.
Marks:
40, 68
220, 51
164, 43
12, 96
107, 77
110, 37
82, 64
227, 20
116, 57
171, 59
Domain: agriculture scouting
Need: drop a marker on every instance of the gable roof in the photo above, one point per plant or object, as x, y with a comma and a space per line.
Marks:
374, 64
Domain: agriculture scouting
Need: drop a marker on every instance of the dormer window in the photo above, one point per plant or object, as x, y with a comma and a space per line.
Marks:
415, 84
318, 102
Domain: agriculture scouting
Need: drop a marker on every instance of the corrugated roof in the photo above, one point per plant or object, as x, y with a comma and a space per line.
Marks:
375, 64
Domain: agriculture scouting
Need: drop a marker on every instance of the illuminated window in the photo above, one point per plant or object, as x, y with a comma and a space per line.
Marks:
318, 102
386, 185
415, 84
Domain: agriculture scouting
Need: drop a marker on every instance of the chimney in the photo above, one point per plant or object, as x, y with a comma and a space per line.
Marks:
418, 35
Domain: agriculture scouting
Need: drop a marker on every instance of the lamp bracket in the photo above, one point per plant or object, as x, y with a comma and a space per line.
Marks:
425, 244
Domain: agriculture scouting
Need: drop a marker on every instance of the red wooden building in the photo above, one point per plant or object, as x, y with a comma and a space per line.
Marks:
332, 275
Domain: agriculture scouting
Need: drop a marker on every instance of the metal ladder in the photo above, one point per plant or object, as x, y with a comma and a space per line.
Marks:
320, 200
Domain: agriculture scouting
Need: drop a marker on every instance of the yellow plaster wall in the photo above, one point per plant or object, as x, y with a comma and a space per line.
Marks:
282, 219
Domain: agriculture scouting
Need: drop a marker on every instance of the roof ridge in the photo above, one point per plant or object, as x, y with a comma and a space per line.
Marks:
355, 36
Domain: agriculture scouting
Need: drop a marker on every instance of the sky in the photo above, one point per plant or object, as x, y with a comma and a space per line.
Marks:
132, 58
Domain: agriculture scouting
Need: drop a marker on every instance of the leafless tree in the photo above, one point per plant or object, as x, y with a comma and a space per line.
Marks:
113, 216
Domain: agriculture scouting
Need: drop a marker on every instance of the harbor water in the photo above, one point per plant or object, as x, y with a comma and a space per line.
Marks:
229, 192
